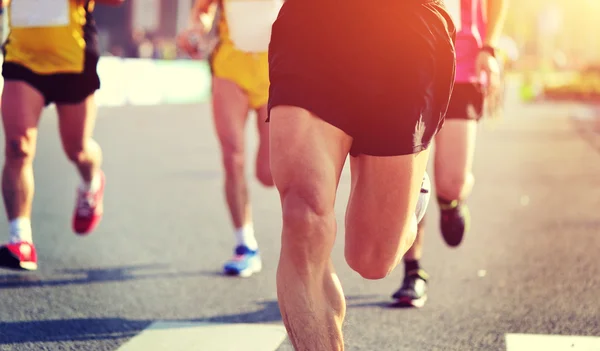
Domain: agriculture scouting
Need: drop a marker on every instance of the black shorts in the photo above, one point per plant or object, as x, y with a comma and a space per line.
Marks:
380, 71
60, 88
466, 102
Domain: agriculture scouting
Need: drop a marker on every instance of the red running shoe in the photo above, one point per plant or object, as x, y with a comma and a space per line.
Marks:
89, 209
20, 255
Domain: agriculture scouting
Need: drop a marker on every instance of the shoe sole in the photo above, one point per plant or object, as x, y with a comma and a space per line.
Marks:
456, 241
8, 260
408, 302
248, 272
90, 229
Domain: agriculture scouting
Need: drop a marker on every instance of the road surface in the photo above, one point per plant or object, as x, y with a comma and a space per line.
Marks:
148, 279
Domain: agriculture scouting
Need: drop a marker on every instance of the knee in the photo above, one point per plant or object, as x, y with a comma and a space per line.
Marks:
75, 152
374, 259
19, 150
233, 161
455, 186
369, 265
308, 227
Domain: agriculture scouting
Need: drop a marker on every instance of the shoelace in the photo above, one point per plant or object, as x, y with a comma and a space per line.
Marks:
238, 258
450, 214
85, 203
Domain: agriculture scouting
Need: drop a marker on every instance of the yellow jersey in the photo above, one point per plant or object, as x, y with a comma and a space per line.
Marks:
51, 36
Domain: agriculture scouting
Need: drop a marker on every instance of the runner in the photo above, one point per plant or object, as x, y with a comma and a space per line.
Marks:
50, 56
240, 83
369, 81
455, 144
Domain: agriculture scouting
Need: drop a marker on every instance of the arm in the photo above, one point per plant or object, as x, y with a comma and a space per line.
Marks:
200, 7
496, 15
487, 64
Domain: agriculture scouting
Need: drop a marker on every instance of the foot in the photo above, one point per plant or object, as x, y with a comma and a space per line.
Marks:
245, 263
89, 209
413, 292
20, 255
454, 222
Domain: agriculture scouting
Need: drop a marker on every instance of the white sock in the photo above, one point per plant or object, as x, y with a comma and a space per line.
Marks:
20, 230
93, 185
245, 236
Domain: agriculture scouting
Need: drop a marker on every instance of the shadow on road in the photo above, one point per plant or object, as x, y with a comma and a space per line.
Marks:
90, 276
84, 329
89, 329
381, 304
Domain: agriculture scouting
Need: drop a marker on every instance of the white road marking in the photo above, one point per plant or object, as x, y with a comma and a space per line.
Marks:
529, 342
187, 336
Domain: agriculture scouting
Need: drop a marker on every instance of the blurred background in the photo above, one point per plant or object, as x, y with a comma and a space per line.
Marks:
552, 46
559, 48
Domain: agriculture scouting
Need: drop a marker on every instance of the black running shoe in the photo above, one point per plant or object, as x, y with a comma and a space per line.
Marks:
454, 222
413, 292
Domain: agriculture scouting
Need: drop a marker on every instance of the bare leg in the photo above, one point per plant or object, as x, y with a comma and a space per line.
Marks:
416, 250
380, 220
307, 157
21, 108
455, 149
230, 111
76, 123
263, 165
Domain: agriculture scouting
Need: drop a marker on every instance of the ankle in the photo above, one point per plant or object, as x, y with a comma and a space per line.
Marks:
445, 204
411, 265
20, 230
93, 184
245, 236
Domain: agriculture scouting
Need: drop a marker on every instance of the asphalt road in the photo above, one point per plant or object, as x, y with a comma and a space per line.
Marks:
529, 265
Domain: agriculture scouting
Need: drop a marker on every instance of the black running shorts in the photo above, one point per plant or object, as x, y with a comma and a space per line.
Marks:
466, 102
60, 88
382, 71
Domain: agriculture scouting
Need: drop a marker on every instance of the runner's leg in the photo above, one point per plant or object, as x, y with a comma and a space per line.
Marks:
307, 157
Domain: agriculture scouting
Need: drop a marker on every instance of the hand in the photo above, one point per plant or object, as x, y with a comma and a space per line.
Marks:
488, 67
194, 21
195, 42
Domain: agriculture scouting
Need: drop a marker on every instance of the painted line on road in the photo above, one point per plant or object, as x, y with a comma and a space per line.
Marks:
179, 336
529, 342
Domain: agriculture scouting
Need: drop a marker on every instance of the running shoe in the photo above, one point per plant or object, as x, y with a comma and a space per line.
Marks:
454, 222
20, 255
89, 209
424, 196
413, 292
244, 263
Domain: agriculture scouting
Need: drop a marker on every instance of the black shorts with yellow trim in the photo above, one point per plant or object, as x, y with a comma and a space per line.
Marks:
60, 88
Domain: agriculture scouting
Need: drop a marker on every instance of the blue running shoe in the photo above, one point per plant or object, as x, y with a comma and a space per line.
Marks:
245, 262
